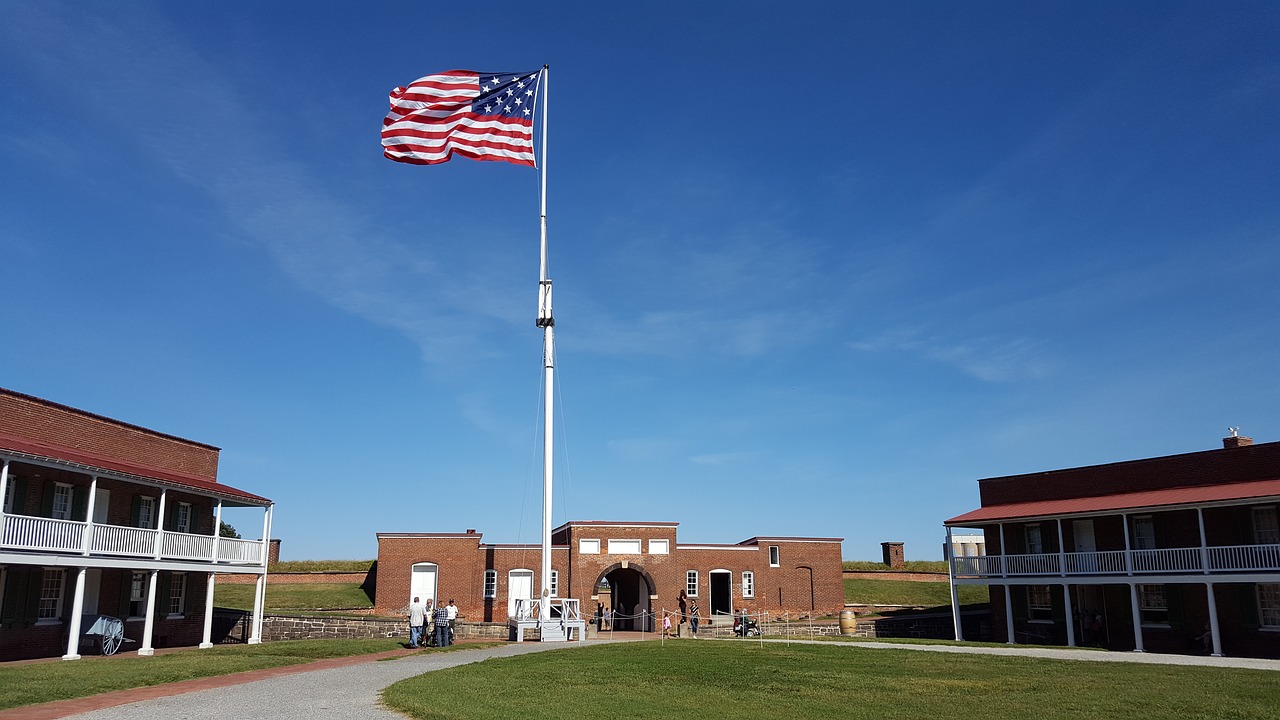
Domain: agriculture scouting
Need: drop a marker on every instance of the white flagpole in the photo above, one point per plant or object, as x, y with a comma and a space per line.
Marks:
547, 322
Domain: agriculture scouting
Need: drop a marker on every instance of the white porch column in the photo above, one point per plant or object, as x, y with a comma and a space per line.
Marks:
1137, 618
88, 515
1128, 549
1213, 621
955, 595
1062, 552
1071, 620
1008, 613
207, 642
217, 530
1004, 563
149, 626
160, 523
73, 627
259, 591
266, 534
4, 489
1204, 546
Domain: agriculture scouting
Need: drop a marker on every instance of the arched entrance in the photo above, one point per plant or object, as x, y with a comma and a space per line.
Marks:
630, 590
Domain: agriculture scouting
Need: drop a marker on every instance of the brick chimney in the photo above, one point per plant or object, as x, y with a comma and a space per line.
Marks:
1235, 439
894, 556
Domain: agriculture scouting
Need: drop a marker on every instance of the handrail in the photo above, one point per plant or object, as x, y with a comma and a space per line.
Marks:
1188, 560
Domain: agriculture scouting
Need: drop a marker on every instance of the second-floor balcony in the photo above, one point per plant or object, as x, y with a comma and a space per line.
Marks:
41, 534
1162, 561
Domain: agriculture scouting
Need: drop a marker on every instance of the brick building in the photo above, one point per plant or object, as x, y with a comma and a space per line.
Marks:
629, 567
104, 518
1171, 554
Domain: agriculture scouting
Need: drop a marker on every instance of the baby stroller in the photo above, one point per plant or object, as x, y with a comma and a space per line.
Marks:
745, 627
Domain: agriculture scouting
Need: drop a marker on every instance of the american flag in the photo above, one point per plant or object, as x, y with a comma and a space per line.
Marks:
483, 116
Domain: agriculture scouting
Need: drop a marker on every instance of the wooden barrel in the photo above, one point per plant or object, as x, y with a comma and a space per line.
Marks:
848, 622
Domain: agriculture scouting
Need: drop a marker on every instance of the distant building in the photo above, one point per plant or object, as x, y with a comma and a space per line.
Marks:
966, 545
104, 518
629, 567
1171, 554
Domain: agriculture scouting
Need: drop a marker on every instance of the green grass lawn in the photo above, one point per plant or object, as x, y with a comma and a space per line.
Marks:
905, 592
322, 566
45, 682
931, 566
293, 597
723, 680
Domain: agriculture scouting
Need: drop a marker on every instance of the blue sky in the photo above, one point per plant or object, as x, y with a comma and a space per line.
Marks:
818, 268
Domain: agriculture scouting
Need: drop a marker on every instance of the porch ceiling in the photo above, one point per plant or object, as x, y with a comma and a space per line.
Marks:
1167, 498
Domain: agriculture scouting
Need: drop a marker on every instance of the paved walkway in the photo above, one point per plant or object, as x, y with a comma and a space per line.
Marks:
343, 688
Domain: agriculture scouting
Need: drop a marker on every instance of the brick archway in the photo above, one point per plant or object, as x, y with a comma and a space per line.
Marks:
631, 589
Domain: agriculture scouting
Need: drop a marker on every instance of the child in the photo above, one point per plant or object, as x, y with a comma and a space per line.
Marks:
666, 625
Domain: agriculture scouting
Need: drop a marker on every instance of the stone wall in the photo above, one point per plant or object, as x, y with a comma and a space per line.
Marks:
301, 627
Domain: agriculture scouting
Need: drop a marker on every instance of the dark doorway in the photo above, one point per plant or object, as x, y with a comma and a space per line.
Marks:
721, 592
629, 600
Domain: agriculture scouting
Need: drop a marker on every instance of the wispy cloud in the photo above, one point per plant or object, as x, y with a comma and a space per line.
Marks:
990, 359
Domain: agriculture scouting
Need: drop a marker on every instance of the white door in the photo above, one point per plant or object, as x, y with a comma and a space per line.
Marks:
101, 503
422, 583
1083, 532
519, 587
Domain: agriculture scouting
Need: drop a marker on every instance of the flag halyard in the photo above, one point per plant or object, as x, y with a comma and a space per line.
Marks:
482, 116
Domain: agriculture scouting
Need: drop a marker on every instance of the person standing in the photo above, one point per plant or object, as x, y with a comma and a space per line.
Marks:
453, 617
442, 626
417, 616
693, 618
684, 612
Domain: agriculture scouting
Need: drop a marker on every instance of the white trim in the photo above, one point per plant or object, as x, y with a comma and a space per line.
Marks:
584, 542
775, 556
140, 563
625, 542
666, 546
748, 583
749, 548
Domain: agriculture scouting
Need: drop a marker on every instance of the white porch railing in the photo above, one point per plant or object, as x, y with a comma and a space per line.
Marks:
568, 609
1234, 558
23, 532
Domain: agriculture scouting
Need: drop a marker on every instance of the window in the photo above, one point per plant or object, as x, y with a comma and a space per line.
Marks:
1039, 603
490, 583
1269, 605
177, 594
8, 494
774, 560
138, 595
183, 518
748, 584
659, 547
147, 512
51, 595
1144, 533
1153, 605
61, 502
691, 583
589, 547
555, 583
1035, 544
624, 547
1266, 529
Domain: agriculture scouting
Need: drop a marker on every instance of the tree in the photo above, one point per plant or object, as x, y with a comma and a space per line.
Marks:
227, 531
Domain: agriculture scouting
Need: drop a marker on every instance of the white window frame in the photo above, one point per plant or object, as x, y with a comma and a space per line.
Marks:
1034, 538
147, 512
1266, 526
624, 546
691, 583
182, 518
177, 595
589, 546
49, 611
8, 494
491, 583
775, 556
659, 547
1144, 532
555, 583
1269, 605
748, 585
62, 500
1153, 605
138, 594
1039, 603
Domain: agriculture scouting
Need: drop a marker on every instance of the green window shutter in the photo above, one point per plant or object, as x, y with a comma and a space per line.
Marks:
46, 500
79, 506
1018, 596
126, 585
171, 522
1174, 598
1249, 606
162, 594
189, 602
19, 496
35, 580
135, 509
68, 593
14, 590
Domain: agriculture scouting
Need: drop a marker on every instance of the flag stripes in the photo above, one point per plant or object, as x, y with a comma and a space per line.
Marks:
482, 116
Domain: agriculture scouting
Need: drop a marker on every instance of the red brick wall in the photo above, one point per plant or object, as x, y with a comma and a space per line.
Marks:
42, 421
808, 576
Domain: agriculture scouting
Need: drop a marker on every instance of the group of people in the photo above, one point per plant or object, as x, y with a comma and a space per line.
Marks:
427, 617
